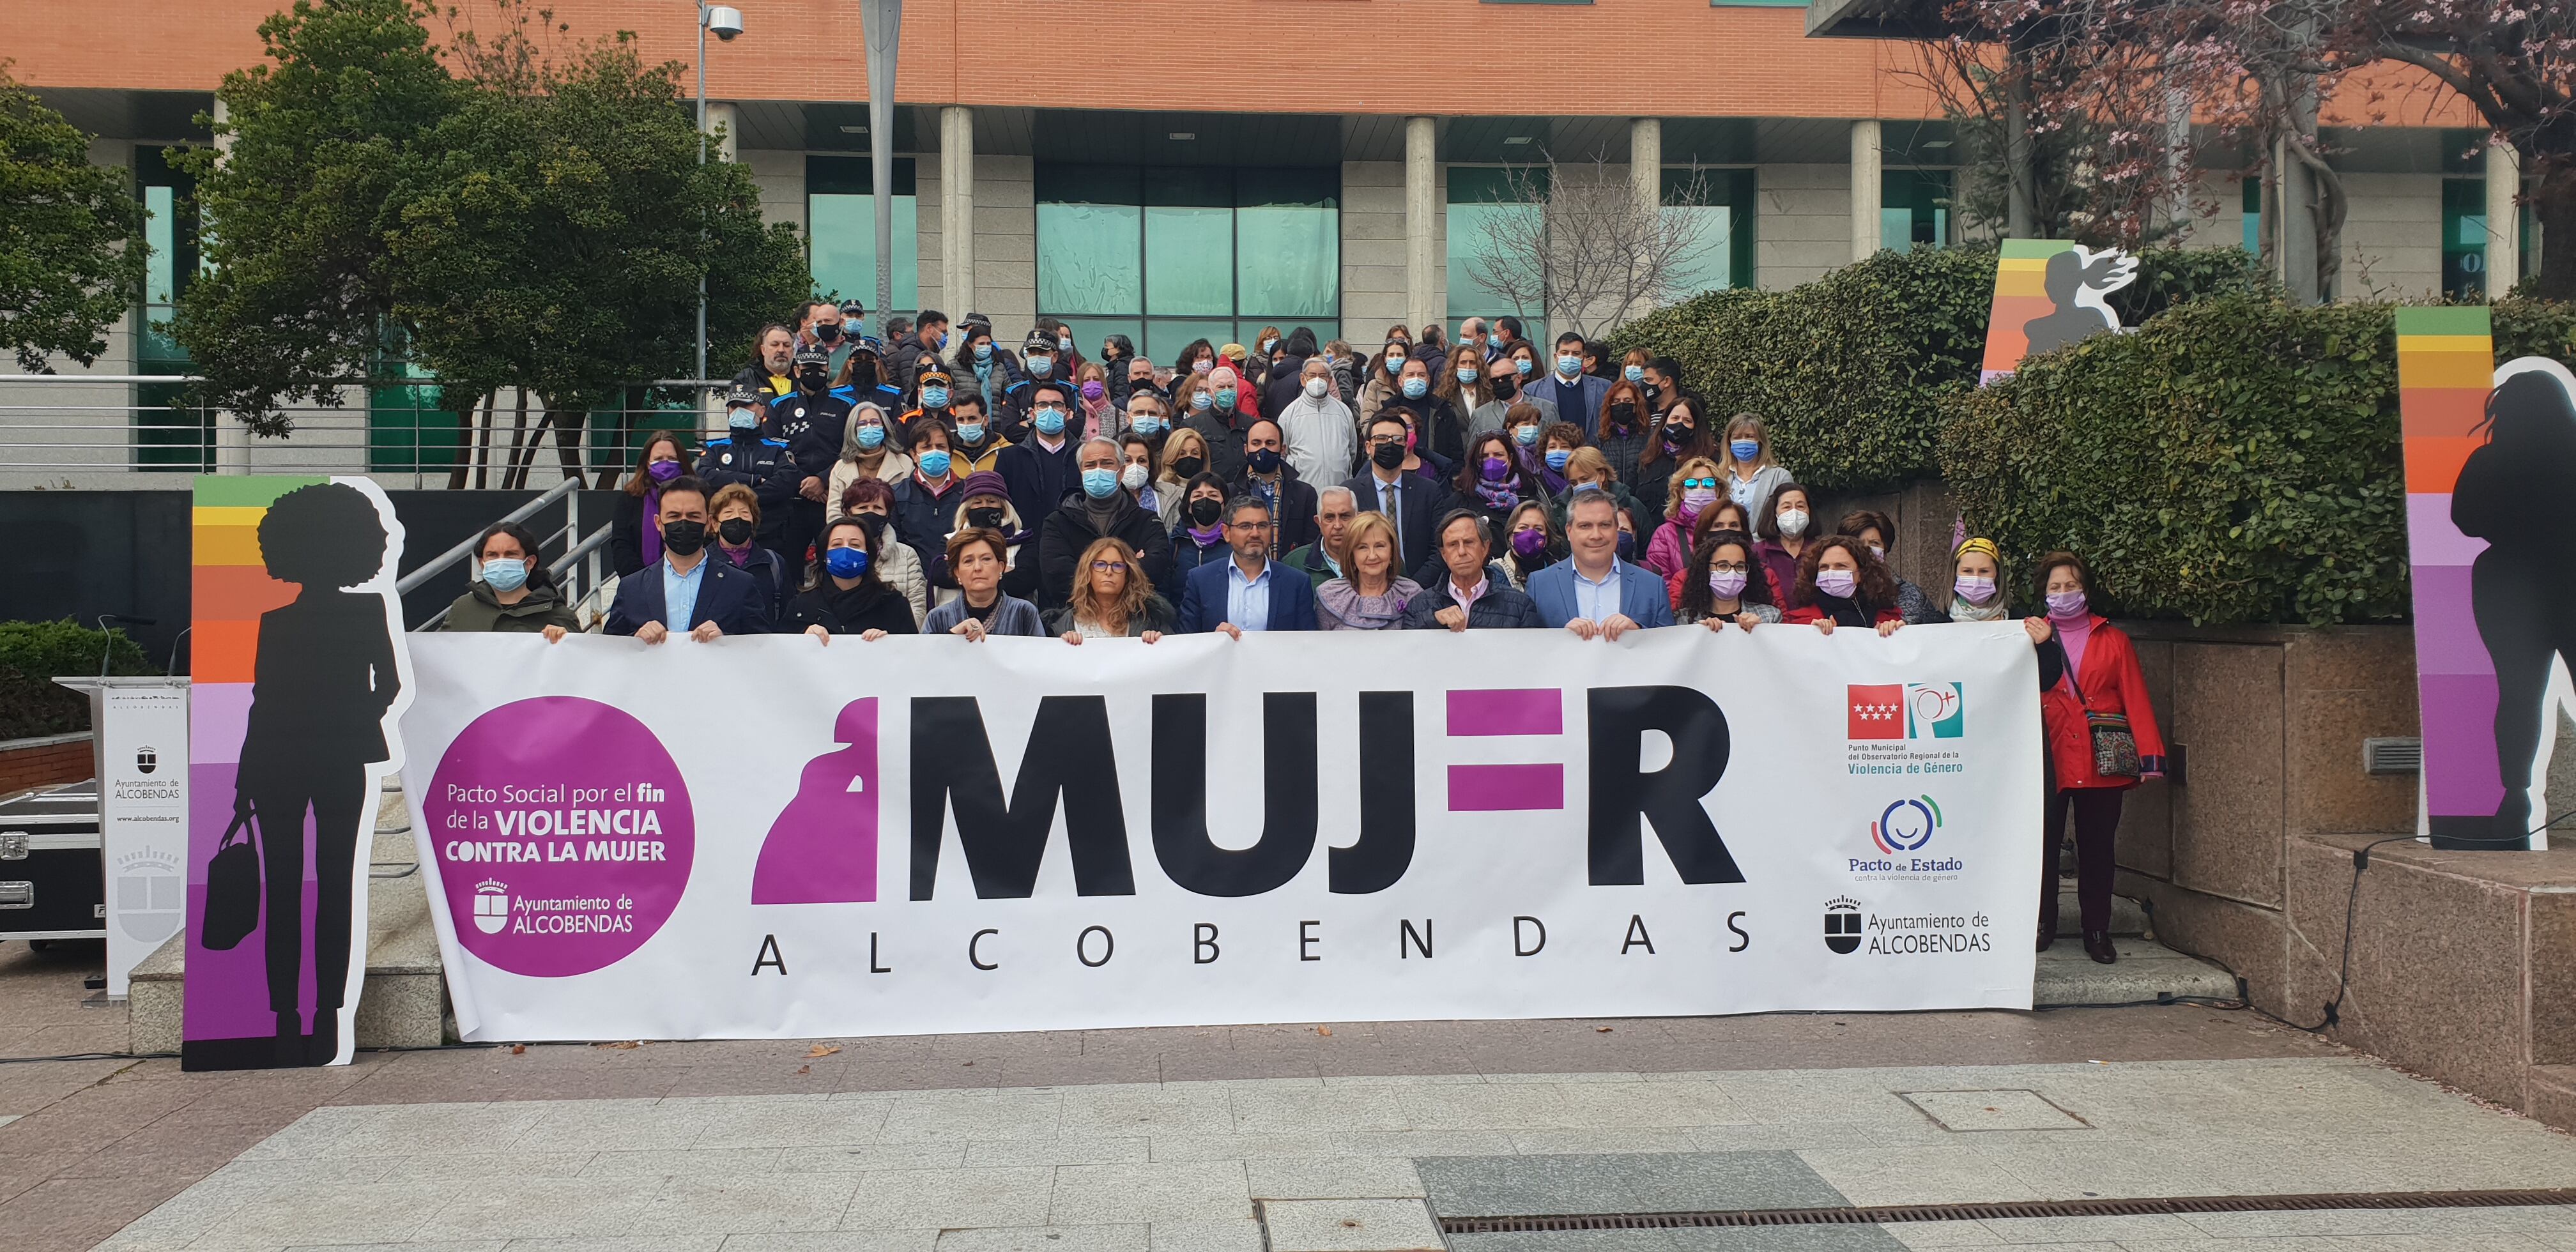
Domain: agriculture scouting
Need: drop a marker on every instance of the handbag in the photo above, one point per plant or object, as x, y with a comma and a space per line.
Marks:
232, 889
2115, 748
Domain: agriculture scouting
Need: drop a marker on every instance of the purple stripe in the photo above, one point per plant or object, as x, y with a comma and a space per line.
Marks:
218, 716
2431, 538
2460, 774
2446, 627
1507, 711
1505, 788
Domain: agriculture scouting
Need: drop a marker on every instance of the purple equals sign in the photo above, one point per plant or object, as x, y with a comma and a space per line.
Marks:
1506, 788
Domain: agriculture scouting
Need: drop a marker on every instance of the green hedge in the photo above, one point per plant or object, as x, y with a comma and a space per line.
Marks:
1851, 370
2234, 460
33, 653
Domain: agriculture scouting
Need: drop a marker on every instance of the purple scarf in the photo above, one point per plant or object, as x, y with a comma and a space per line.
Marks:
1497, 495
652, 534
1207, 537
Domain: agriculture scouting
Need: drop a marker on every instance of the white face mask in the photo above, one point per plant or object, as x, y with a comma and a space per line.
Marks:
1793, 521
1132, 477
1315, 387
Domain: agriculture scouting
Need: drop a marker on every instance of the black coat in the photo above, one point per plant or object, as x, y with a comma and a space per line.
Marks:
1287, 382
812, 427
1068, 530
626, 535
1293, 519
1420, 508
762, 465
1040, 480
726, 596
1224, 441
869, 606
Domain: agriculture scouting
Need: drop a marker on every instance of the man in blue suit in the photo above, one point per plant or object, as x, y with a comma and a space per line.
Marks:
1596, 593
1250, 592
1577, 395
684, 593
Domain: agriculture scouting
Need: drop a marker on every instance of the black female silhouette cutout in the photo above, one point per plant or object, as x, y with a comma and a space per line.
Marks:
2512, 492
323, 679
2076, 281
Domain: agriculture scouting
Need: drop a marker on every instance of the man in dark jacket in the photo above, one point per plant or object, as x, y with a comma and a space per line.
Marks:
1099, 510
903, 358
1287, 378
1411, 501
811, 422
764, 465
1040, 469
773, 366
1472, 594
1268, 476
684, 592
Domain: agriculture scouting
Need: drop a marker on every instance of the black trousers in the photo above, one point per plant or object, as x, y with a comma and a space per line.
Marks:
2097, 819
2522, 620
337, 796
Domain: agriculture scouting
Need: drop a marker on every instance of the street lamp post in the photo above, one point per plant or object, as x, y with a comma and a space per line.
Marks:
726, 22
882, 21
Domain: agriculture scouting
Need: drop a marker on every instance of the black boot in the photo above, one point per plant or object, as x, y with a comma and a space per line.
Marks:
2097, 944
324, 1046
290, 1039
2047, 932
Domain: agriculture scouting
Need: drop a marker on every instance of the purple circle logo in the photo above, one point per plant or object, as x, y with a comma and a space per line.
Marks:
563, 834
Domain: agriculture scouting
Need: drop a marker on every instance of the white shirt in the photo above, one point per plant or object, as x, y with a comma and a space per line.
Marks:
1247, 600
1598, 601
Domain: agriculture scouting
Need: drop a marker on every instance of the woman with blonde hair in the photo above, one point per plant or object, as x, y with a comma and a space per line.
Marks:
1751, 472
1692, 488
1111, 598
1370, 594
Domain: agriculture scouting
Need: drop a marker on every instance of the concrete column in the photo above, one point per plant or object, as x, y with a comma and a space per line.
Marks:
2295, 230
1646, 162
232, 439
2504, 218
1866, 178
1423, 270
725, 117
956, 209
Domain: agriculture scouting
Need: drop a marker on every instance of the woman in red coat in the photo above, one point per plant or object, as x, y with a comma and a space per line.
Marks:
1842, 583
2102, 678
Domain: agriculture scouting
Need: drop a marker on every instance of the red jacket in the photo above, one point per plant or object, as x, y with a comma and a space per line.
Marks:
1673, 584
2111, 683
1806, 613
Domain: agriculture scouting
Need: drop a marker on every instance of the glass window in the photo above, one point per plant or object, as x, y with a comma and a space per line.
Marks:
1479, 195
406, 430
2254, 216
1166, 255
167, 435
841, 232
1723, 199
1914, 209
2464, 238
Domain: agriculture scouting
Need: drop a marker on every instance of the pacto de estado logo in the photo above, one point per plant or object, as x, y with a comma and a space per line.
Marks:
1933, 710
1906, 825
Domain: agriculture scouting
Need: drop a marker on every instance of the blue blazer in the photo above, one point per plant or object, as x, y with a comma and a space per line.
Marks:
729, 597
1203, 595
1642, 596
1594, 388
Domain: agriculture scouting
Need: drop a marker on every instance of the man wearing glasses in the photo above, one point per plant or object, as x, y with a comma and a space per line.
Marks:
1250, 592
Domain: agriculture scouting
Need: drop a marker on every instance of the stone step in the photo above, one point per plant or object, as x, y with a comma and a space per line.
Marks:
404, 1002
2128, 917
2145, 971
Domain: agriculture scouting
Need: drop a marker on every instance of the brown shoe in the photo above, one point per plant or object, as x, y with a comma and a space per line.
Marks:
2097, 944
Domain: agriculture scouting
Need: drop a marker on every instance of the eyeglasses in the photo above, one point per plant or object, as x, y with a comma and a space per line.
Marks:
1109, 567
1049, 408
1709, 483
1263, 524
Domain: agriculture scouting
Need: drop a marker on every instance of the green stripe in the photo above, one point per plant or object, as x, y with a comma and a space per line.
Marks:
248, 490
2456, 319
2035, 249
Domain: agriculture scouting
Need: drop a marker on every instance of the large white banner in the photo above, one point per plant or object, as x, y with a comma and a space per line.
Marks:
769, 837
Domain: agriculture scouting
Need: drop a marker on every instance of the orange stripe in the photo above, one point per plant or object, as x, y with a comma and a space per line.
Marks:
227, 545
236, 593
224, 652
2025, 283
2440, 412
2467, 371
2433, 464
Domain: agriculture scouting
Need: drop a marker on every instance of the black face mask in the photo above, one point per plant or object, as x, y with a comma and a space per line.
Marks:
1676, 436
827, 332
812, 381
1623, 413
1388, 455
735, 530
1204, 511
874, 524
984, 519
863, 374
1506, 388
1188, 467
684, 537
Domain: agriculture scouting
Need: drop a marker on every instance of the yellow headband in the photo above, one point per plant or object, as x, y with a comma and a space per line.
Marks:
1986, 546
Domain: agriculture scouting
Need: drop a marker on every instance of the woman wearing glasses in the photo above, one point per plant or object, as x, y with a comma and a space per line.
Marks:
1695, 487
1111, 598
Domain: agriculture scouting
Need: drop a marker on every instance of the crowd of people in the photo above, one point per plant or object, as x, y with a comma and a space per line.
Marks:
939, 482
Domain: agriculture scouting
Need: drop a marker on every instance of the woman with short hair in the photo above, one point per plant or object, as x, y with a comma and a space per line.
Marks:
1692, 488
871, 502
977, 557
736, 510
2102, 740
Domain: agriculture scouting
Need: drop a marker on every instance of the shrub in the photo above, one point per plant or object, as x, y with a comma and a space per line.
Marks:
2234, 460
1851, 370
33, 653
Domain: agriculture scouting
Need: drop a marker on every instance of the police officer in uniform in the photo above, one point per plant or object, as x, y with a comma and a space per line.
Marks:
763, 465
864, 380
811, 422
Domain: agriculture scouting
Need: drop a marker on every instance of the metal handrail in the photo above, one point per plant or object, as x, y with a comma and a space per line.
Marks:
590, 543
438, 564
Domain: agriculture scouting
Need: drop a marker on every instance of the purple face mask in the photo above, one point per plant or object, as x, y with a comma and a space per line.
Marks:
662, 471
1838, 583
2066, 606
1495, 467
1093, 390
1729, 583
1529, 542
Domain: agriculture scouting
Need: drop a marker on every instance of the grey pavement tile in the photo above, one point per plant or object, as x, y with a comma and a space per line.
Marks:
1068, 1150
1123, 1238
1120, 1111
540, 1208
2286, 1243
1622, 1183
439, 1166
468, 1245
181, 1219
750, 1204
327, 1213
2560, 1240
1233, 1236
802, 1124
1334, 1178
2019, 1230
397, 1129
868, 1156
1972, 1111
1684, 1104
629, 1125
1785, 1239
1560, 1142
706, 1165
942, 1199
1790, 1136
1350, 1226
1926, 1235
1565, 1241
287, 1171
1427, 1143
1240, 1147
1933, 1175
1000, 1115
836, 1241
1309, 1111
1480, 1106
2536, 1219
696, 1243
1168, 1191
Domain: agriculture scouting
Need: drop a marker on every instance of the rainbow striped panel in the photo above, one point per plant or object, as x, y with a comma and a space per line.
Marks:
2019, 297
2445, 368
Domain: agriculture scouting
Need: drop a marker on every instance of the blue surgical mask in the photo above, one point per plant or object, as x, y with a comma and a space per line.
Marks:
943, 339
1525, 435
1634, 373
1202, 401
1145, 424
1049, 421
1467, 376
934, 462
1269, 345
1524, 365
1557, 457
1039, 366
1064, 344
1569, 365
1414, 387
871, 437
1395, 361
971, 432
1744, 449
505, 574
846, 562
984, 351
743, 419
1099, 484
934, 397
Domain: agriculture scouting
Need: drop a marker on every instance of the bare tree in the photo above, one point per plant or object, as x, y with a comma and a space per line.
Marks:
1578, 248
